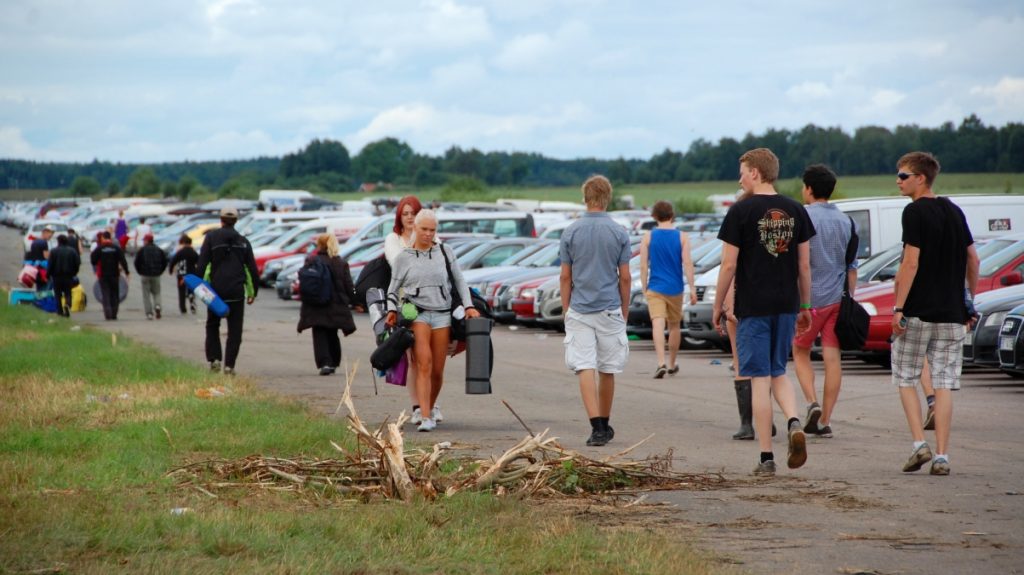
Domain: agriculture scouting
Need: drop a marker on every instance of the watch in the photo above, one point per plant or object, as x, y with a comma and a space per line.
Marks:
897, 310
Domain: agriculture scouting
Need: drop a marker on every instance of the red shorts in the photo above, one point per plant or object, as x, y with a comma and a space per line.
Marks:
823, 321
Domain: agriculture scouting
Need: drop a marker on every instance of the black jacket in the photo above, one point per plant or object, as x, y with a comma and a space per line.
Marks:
151, 261
338, 313
108, 257
64, 263
183, 262
226, 261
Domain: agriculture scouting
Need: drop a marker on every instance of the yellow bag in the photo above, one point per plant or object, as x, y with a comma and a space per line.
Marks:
78, 299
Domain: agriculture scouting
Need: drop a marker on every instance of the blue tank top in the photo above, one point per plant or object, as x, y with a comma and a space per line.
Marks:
665, 262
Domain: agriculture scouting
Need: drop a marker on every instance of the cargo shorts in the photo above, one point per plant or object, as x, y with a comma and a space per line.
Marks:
596, 341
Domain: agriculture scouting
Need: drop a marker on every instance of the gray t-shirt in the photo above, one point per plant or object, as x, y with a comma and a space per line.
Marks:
595, 246
828, 253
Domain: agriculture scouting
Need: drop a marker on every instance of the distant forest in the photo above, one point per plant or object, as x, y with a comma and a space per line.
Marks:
326, 166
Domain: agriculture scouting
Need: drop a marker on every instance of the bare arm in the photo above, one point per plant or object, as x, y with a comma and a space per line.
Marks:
624, 282
688, 268
645, 250
972, 269
565, 286
904, 279
803, 318
725, 276
851, 281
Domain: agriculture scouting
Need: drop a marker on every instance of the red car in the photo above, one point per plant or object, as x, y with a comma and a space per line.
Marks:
1001, 269
523, 296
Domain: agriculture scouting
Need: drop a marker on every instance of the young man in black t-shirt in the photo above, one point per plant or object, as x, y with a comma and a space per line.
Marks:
930, 313
765, 247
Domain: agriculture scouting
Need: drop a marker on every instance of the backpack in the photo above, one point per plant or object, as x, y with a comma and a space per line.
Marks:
375, 274
316, 284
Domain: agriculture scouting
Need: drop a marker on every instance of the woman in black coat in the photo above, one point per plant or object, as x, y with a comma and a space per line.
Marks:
326, 320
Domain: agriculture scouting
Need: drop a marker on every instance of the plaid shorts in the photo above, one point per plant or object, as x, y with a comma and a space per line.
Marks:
943, 343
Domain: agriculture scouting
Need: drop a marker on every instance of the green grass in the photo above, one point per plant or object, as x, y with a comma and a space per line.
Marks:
88, 431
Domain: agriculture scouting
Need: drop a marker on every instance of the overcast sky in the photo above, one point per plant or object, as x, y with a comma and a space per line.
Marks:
221, 79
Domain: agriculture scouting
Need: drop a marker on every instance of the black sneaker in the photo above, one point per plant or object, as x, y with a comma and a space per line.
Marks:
674, 369
610, 433
813, 415
929, 419
660, 372
157, 313
326, 371
597, 438
825, 432
797, 446
765, 468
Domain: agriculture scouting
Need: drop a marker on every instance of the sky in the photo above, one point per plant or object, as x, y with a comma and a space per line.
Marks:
155, 81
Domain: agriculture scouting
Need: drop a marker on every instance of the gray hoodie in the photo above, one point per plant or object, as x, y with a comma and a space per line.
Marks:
423, 277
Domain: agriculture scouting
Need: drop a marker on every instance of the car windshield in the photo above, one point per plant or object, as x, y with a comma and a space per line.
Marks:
539, 256
301, 238
996, 261
988, 247
523, 254
872, 265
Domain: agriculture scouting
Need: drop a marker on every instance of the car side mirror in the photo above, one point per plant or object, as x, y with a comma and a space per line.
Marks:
1011, 279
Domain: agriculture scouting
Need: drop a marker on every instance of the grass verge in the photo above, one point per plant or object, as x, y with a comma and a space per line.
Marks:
88, 430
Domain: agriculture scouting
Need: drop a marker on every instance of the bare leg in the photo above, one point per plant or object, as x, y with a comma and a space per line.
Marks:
926, 379
588, 391
805, 372
782, 389
674, 337
730, 328
762, 402
833, 380
411, 377
658, 333
439, 349
912, 409
606, 393
424, 365
943, 419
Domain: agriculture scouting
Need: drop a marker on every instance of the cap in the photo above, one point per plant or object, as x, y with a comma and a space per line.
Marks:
229, 212
148, 238
48, 229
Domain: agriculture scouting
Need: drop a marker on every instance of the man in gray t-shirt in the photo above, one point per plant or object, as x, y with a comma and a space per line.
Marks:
594, 285
833, 268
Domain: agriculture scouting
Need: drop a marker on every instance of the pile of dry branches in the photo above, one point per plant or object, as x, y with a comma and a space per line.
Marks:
380, 466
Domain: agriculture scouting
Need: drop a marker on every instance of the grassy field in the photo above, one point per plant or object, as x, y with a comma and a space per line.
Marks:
647, 194
89, 429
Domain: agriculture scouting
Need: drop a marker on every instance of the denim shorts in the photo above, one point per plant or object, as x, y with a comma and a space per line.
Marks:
435, 319
763, 344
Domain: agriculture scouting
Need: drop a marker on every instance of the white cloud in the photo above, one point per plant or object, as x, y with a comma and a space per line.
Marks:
14, 145
887, 98
809, 91
526, 52
1008, 92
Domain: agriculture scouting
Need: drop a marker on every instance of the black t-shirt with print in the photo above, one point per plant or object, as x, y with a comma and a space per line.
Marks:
939, 229
767, 230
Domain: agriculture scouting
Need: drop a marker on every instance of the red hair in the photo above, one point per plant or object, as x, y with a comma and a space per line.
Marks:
406, 201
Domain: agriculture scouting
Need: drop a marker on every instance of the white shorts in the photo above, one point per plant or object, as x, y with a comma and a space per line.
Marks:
596, 341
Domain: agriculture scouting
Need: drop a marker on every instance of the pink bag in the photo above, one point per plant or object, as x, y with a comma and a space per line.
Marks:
28, 276
396, 374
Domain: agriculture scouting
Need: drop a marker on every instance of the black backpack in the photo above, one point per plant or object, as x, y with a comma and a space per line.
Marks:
316, 284
375, 274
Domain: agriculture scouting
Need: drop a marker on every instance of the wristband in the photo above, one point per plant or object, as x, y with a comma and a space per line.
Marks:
805, 306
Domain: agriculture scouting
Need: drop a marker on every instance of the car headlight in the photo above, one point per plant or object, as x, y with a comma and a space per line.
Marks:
709, 294
995, 319
869, 307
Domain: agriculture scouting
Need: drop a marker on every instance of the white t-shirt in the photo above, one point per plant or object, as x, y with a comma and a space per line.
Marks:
140, 234
393, 245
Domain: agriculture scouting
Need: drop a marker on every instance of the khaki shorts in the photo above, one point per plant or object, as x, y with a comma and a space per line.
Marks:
596, 341
669, 307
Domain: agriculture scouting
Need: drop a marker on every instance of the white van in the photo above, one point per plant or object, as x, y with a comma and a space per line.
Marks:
255, 222
501, 224
880, 220
283, 199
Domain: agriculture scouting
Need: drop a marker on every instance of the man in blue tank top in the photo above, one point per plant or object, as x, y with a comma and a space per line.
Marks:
664, 254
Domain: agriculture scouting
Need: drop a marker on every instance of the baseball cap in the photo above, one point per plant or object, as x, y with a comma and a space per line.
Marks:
148, 238
229, 212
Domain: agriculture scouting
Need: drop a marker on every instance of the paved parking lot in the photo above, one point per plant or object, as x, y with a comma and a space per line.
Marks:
849, 508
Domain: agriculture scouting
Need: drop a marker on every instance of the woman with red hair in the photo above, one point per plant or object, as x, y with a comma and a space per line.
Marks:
399, 239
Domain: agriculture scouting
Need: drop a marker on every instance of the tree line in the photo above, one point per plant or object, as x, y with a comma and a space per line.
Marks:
326, 165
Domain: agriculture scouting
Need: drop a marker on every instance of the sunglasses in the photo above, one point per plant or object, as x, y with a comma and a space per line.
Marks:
904, 175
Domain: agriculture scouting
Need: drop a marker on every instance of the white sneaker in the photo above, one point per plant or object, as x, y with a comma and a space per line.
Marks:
417, 417
435, 414
427, 425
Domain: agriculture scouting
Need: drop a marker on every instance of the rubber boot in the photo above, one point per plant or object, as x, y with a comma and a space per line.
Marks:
743, 400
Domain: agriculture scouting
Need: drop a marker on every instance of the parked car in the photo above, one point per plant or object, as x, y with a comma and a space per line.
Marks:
35, 231
1011, 343
981, 345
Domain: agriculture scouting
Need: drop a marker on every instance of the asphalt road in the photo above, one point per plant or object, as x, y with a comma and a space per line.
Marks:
849, 509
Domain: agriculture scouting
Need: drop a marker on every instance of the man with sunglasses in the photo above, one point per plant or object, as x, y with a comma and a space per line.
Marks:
930, 312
